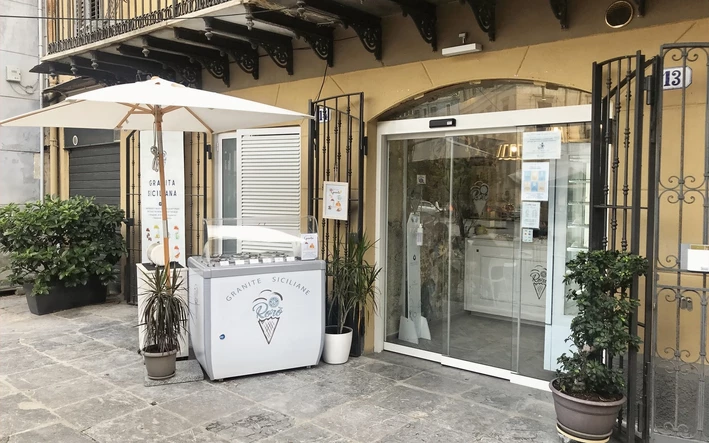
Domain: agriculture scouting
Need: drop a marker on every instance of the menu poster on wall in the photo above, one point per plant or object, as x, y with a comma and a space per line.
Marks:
535, 181
150, 209
544, 145
335, 204
531, 214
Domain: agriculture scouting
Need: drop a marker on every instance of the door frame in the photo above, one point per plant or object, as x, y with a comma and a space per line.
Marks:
469, 124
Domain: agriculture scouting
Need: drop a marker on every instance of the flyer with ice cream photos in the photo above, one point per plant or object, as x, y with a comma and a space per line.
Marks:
335, 204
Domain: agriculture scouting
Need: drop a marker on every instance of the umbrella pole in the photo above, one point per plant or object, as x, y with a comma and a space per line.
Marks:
163, 199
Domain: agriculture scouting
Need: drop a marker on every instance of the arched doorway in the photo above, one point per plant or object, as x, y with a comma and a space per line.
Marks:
482, 200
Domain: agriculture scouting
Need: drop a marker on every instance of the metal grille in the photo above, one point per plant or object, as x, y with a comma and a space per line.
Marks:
336, 152
680, 407
621, 209
197, 153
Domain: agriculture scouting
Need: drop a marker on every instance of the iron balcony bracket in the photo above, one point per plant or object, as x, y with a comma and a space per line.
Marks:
320, 38
243, 54
560, 8
368, 27
484, 11
424, 16
191, 73
278, 47
214, 61
641, 7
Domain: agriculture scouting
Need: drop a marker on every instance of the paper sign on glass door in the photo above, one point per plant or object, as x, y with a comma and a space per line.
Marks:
544, 145
531, 214
535, 181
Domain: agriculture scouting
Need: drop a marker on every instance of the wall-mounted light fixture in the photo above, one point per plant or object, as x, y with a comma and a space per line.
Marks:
463, 48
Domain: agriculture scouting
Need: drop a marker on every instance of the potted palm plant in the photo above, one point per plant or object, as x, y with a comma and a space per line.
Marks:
164, 317
352, 290
589, 392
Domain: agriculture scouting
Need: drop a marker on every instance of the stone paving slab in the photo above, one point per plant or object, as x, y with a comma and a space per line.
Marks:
54, 433
75, 376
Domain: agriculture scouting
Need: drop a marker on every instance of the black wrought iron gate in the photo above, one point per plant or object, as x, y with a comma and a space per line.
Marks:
197, 154
620, 209
336, 152
650, 196
680, 401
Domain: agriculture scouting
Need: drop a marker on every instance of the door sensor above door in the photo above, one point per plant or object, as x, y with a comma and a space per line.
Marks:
442, 123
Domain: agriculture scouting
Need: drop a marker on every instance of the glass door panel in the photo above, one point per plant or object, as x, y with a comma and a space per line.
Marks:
417, 243
560, 232
484, 254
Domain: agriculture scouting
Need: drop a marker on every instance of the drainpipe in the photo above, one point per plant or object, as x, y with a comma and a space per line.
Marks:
40, 53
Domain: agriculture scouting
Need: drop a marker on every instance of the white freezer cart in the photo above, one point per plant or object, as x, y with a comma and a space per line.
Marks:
254, 312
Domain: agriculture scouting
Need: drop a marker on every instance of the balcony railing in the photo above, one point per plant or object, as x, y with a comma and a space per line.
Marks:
75, 23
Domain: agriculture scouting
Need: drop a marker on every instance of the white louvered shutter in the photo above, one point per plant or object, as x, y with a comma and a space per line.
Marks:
268, 180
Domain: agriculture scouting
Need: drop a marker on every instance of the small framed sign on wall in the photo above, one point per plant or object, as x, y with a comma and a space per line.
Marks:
335, 200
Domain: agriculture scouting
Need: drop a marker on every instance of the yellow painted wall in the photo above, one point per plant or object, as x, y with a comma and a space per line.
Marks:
565, 62
530, 46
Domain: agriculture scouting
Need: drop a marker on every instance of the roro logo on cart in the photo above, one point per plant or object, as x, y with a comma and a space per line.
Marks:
268, 309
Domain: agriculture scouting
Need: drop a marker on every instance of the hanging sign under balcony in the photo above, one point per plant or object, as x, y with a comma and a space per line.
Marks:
150, 209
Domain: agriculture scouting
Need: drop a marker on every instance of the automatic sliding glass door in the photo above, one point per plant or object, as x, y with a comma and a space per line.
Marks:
469, 283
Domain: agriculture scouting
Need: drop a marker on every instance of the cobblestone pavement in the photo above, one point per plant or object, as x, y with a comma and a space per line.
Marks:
76, 376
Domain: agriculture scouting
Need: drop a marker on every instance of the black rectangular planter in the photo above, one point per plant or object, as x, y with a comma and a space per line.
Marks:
61, 297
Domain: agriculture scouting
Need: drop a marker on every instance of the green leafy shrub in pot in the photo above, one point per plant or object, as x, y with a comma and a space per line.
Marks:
61, 242
600, 330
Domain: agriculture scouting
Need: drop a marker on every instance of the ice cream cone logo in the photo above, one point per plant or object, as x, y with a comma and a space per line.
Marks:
268, 310
176, 232
479, 192
177, 252
539, 280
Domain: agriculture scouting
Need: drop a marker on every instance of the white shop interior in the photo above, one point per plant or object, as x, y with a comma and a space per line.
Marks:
474, 231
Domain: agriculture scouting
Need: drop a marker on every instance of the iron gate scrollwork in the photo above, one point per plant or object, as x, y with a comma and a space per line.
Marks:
336, 152
650, 196
680, 407
197, 154
621, 212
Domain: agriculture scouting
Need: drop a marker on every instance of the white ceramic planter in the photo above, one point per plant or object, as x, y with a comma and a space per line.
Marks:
337, 346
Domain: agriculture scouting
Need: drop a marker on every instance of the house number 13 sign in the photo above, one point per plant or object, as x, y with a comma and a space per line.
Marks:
674, 78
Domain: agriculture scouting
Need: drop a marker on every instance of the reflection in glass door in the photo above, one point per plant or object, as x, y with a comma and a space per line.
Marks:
463, 285
417, 243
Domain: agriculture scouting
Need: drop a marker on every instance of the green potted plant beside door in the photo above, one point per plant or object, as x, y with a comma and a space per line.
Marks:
588, 393
164, 317
352, 290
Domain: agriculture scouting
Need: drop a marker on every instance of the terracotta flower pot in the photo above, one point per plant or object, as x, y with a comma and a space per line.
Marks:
585, 419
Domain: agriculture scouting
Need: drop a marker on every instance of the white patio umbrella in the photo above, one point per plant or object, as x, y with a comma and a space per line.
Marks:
158, 105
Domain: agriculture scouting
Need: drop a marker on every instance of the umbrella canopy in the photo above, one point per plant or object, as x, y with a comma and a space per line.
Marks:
132, 106
156, 104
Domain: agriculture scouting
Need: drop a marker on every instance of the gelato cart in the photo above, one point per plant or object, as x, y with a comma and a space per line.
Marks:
257, 297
